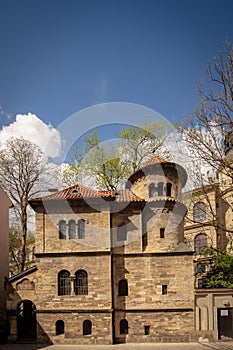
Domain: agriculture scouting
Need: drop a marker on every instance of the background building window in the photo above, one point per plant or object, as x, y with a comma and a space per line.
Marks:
200, 242
124, 327
72, 229
81, 282
151, 190
201, 283
60, 327
81, 229
64, 283
201, 267
123, 287
62, 229
199, 212
87, 327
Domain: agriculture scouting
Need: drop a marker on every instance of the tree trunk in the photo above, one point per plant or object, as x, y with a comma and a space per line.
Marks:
24, 237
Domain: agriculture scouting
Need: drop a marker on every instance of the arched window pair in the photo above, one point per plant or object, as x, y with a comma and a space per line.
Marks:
168, 189
200, 242
80, 282
199, 212
87, 327
72, 229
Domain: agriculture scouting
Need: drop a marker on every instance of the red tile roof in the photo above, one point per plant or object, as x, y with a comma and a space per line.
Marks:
79, 191
154, 160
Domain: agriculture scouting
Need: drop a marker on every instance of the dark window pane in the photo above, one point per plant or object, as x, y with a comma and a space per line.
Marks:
72, 229
151, 190
168, 189
146, 330
81, 229
202, 283
162, 232
62, 229
123, 327
81, 283
160, 189
64, 283
123, 288
201, 267
164, 289
60, 327
87, 327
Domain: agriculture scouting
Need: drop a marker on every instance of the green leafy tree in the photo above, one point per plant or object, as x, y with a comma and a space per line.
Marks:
109, 167
220, 268
140, 143
100, 166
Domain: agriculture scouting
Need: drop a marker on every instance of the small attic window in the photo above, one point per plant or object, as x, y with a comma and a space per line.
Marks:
75, 191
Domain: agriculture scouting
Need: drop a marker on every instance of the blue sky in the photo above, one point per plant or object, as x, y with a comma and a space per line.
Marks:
60, 56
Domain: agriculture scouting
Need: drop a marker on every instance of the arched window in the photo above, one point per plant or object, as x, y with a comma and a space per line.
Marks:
199, 212
168, 189
87, 327
200, 242
124, 327
81, 229
62, 229
123, 287
60, 327
72, 229
151, 190
81, 282
160, 189
64, 283
122, 233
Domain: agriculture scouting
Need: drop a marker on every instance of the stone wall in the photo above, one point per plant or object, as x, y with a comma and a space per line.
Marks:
146, 274
164, 326
97, 232
99, 282
73, 327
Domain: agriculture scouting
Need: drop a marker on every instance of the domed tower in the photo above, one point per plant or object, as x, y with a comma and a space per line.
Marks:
160, 183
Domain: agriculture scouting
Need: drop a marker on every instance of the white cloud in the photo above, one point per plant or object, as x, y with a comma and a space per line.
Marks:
31, 128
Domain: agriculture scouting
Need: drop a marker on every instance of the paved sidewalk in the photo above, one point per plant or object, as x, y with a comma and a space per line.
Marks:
228, 345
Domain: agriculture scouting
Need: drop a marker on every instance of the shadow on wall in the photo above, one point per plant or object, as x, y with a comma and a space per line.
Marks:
24, 327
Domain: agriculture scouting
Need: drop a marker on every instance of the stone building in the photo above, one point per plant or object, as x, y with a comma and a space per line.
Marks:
209, 223
4, 270
111, 266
